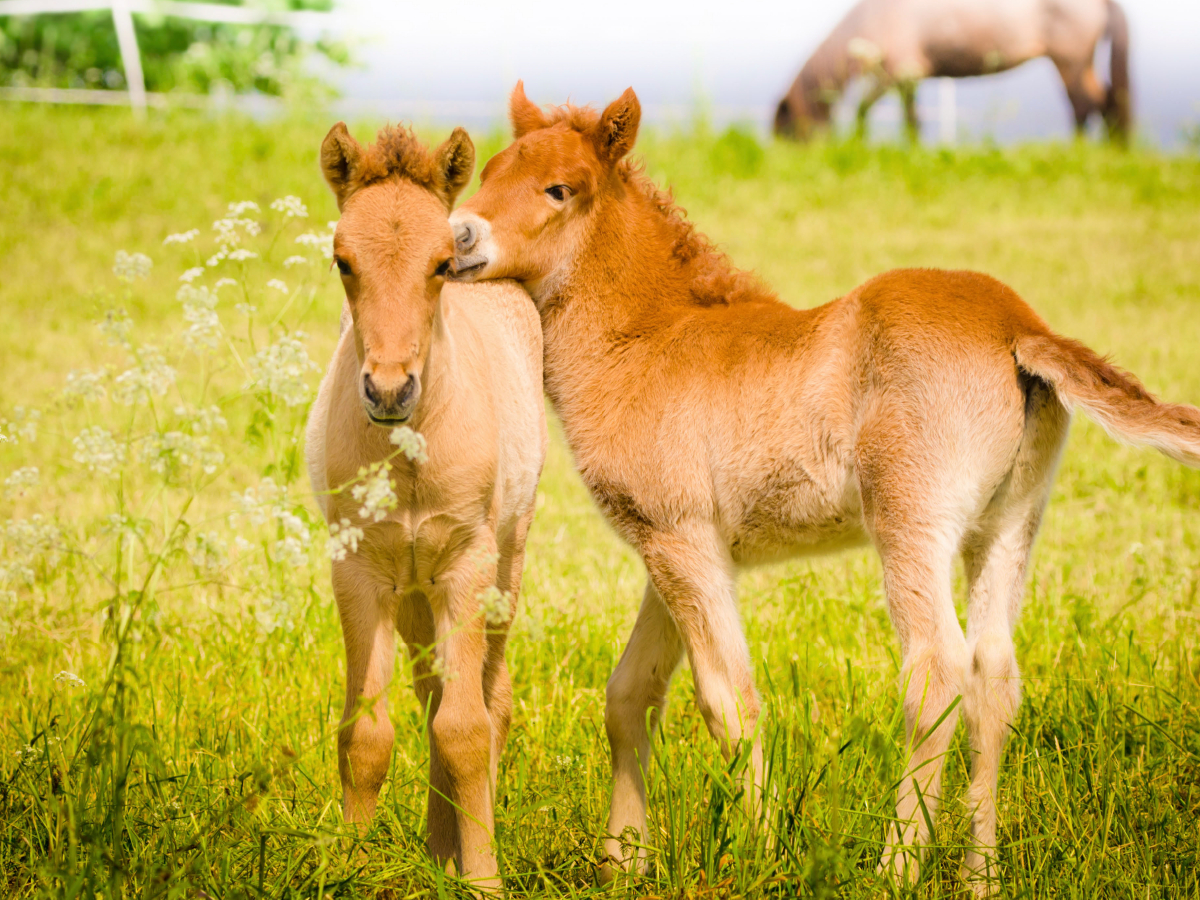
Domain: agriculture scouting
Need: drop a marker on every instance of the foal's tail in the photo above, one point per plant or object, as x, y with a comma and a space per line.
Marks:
1115, 399
1118, 107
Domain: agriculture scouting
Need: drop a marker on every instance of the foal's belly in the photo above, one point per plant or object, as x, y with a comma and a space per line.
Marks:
796, 518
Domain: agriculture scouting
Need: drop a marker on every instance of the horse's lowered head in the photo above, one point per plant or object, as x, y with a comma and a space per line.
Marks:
538, 199
393, 248
804, 110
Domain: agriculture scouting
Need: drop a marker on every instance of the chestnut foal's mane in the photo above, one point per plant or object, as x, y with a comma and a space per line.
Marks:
712, 278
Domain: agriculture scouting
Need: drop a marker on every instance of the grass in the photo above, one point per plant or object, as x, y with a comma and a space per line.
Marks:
196, 757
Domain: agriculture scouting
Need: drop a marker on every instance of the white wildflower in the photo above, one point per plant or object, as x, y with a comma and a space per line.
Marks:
116, 327
323, 242
241, 545
86, 386
290, 552
411, 443
20, 481
442, 671
292, 207
192, 274
242, 207
199, 311
216, 258
246, 309
172, 454
203, 421
274, 614
23, 426
183, 237
129, 267
26, 542
242, 254
375, 492
280, 370
96, 449
277, 285
151, 376
70, 679
207, 551
224, 282
256, 504
295, 261
343, 538
496, 605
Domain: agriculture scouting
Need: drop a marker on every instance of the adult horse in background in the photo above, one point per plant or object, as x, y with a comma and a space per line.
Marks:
441, 564
896, 43
717, 428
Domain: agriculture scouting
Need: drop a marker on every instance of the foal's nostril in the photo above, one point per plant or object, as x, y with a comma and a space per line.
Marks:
408, 391
369, 390
464, 236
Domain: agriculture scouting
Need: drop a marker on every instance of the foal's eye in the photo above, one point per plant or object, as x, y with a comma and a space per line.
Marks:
558, 192
443, 269
343, 266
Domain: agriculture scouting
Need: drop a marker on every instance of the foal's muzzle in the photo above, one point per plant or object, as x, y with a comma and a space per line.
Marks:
390, 405
469, 260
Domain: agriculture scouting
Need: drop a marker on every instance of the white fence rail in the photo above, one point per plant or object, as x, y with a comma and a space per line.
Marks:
131, 60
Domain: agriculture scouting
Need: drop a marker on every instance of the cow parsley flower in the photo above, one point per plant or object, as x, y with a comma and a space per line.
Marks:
278, 285
23, 426
20, 481
343, 538
151, 376
199, 311
86, 386
375, 492
295, 261
183, 237
242, 254
172, 454
207, 551
129, 267
96, 449
411, 443
496, 605
70, 679
281, 368
192, 274
292, 207
116, 326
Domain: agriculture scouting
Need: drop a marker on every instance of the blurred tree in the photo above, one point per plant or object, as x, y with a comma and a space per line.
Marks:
79, 50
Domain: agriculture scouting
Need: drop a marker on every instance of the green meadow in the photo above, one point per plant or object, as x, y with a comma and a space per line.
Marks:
171, 669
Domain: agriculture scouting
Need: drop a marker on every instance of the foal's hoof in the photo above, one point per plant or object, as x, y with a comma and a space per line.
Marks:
900, 865
979, 875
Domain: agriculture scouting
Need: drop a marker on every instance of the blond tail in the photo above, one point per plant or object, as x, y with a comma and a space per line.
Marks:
1113, 398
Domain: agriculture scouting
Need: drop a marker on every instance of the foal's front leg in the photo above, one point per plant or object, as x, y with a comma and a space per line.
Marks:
462, 730
366, 735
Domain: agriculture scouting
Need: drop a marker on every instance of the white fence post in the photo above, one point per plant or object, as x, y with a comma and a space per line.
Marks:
947, 111
131, 59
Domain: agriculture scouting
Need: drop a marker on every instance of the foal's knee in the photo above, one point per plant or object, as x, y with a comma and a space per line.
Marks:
993, 683
462, 734
364, 755
934, 677
730, 714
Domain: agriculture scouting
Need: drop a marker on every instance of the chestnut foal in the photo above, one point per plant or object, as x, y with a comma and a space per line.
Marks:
462, 365
717, 427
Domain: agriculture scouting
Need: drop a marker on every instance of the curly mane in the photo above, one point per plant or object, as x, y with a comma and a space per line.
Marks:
396, 151
713, 279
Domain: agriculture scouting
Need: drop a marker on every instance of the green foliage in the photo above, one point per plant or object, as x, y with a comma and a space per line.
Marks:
79, 50
189, 749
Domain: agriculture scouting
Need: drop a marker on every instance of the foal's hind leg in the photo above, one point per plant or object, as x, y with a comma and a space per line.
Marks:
996, 559
917, 538
637, 690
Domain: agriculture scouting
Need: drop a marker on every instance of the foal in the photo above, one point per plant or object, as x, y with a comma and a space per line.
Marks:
462, 365
717, 427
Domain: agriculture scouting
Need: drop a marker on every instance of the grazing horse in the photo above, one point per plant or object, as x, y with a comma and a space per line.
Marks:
896, 43
462, 365
716, 427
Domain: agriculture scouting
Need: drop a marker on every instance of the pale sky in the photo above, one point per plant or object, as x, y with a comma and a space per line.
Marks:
737, 57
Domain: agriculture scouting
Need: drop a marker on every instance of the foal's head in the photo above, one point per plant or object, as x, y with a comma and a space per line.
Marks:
393, 248
538, 199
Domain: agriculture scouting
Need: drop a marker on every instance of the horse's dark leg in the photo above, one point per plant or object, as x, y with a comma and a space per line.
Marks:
879, 87
908, 95
1084, 91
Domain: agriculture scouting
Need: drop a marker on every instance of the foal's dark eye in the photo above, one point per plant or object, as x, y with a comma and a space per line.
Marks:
343, 266
442, 270
558, 192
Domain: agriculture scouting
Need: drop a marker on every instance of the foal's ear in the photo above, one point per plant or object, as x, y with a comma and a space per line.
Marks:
341, 156
616, 132
525, 115
455, 161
